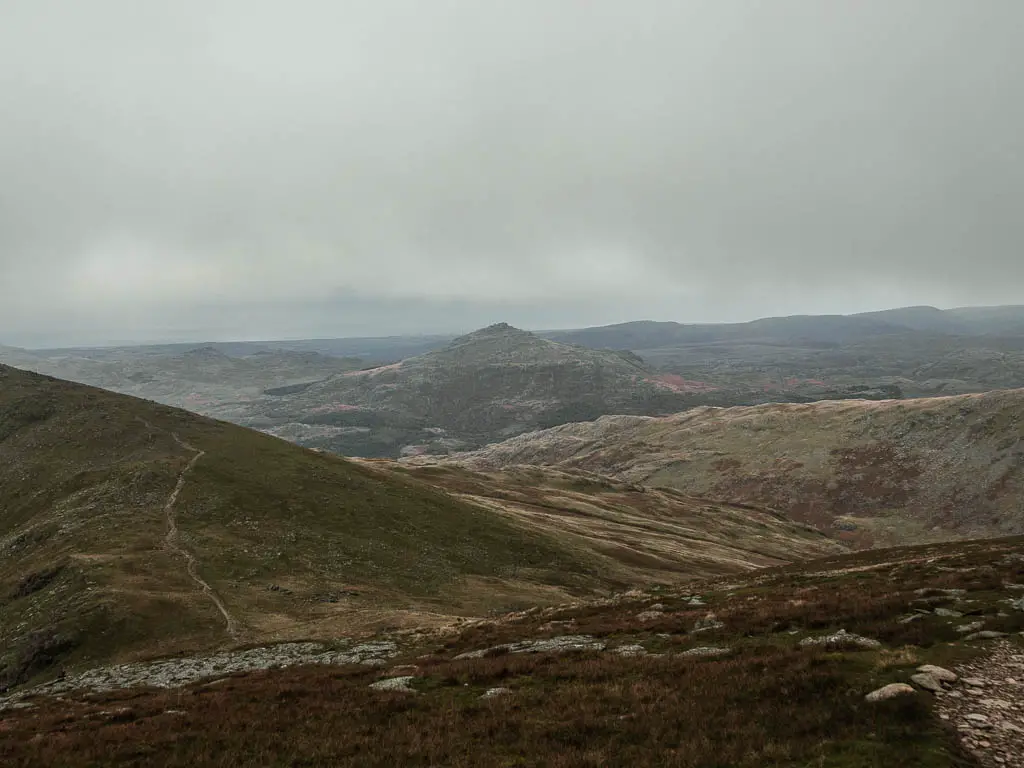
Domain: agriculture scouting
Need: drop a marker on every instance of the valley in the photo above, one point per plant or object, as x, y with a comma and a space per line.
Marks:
397, 396
131, 528
529, 534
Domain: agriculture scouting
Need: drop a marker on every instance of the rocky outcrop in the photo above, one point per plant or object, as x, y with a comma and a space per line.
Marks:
174, 673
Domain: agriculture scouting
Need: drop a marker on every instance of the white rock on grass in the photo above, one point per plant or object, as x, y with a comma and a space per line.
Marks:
490, 693
706, 650
561, 644
173, 673
400, 684
842, 640
890, 691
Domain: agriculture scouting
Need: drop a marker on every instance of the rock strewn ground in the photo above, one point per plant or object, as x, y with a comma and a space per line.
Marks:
172, 673
988, 708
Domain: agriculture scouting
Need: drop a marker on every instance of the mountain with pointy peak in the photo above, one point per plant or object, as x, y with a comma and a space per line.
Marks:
487, 385
130, 528
870, 472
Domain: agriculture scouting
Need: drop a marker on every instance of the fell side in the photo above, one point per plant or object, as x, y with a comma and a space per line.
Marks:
868, 472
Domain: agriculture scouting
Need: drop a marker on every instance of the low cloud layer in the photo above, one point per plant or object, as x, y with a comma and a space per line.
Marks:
220, 168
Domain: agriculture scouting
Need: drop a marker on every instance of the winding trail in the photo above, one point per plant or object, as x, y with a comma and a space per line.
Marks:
172, 540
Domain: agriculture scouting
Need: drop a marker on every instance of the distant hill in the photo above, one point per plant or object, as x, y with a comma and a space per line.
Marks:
17, 356
869, 472
492, 383
827, 329
807, 328
211, 379
910, 352
129, 528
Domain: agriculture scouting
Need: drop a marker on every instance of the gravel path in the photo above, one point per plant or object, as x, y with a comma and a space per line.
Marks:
987, 707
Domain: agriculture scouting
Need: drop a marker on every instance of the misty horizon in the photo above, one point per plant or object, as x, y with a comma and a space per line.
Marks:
229, 170
198, 338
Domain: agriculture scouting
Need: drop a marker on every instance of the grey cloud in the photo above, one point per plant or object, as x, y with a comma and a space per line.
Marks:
172, 167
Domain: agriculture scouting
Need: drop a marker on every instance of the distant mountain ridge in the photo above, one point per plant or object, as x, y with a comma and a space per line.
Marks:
968, 321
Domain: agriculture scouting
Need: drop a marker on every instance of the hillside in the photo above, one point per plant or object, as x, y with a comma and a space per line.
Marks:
490, 384
908, 658
635, 534
130, 528
868, 472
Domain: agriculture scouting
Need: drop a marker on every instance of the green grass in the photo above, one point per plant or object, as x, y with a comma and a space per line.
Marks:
86, 474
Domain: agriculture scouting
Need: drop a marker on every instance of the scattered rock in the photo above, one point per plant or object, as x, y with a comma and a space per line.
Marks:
490, 693
657, 607
890, 691
989, 719
927, 681
177, 672
948, 613
912, 617
841, 640
974, 626
940, 673
985, 634
561, 644
706, 650
394, 684
709, 622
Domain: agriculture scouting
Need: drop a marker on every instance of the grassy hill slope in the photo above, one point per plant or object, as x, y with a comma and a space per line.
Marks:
870, 472
130, 528
287, 540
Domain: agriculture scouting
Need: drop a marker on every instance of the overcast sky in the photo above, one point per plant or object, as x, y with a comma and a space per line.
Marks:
199, 169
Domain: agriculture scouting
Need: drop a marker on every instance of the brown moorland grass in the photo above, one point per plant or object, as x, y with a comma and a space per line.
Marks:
772, 706
768, 702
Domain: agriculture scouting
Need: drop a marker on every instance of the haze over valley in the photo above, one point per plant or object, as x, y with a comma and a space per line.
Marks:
535, 383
